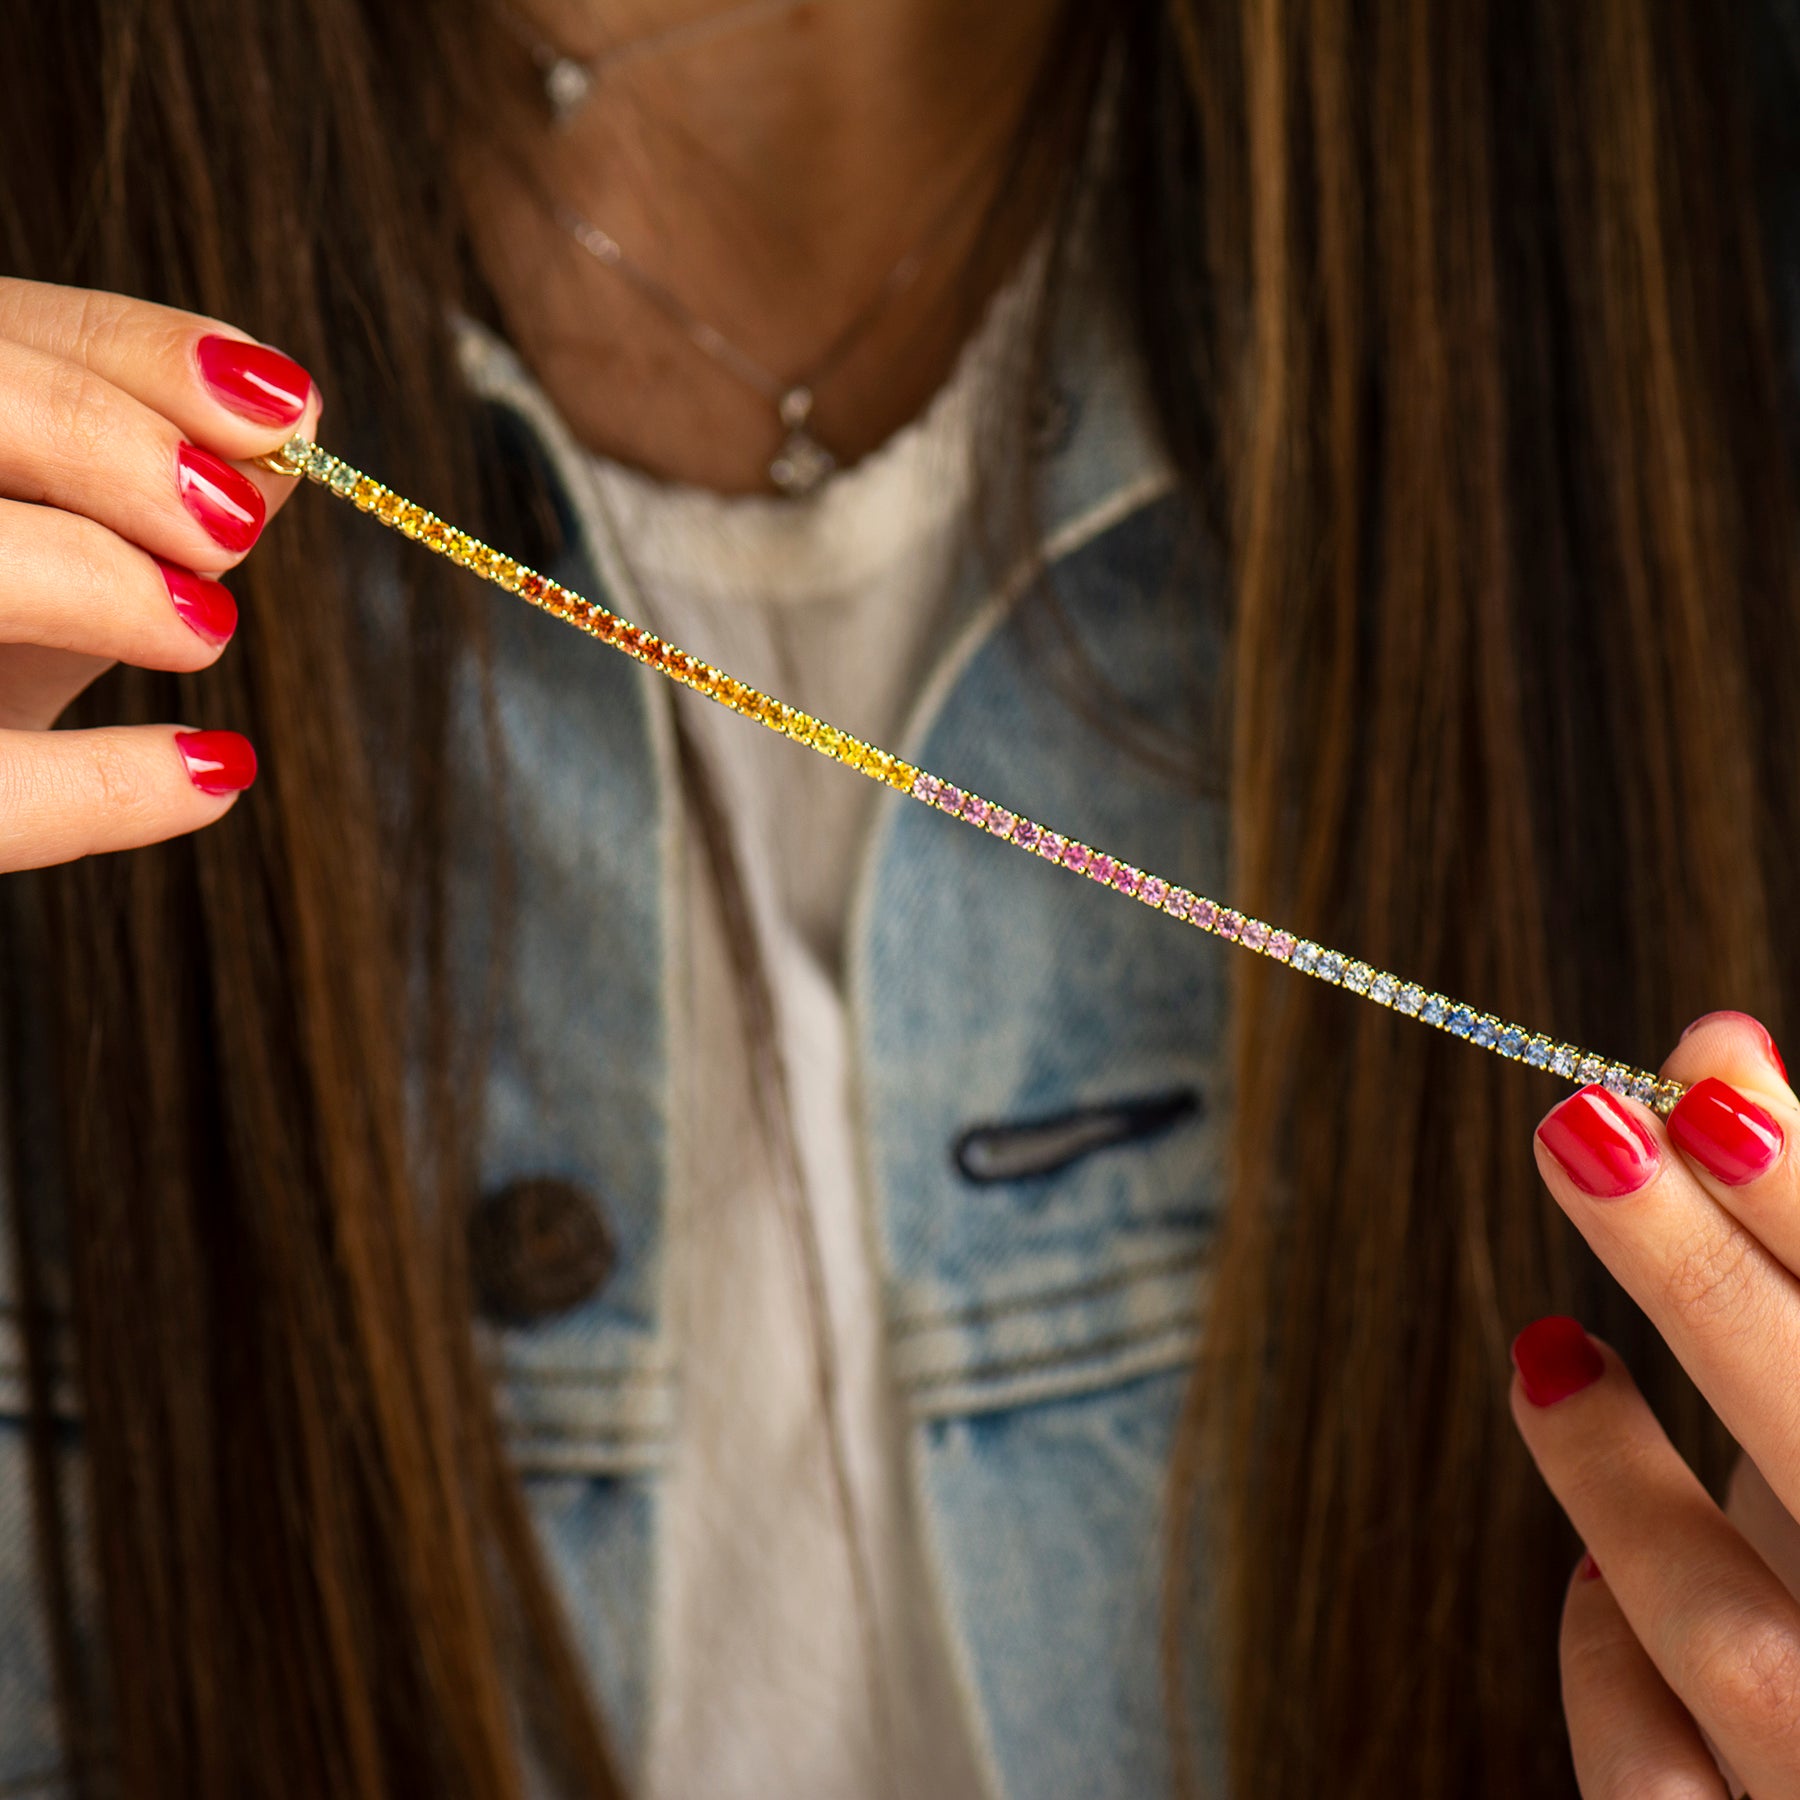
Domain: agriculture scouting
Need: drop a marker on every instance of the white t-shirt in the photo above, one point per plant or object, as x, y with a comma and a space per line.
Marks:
778, 1672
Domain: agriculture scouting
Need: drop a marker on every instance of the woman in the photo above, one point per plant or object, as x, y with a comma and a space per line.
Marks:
1392, 528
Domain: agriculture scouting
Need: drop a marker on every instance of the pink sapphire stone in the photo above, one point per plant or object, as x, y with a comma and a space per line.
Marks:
1229, 925
1127, 879
1051, 846
1026, 835
1000, 822
927, 788
950, 798
1101, 868
1178, 902
1204, 914
1154, 890
1256, 933
1281, 945
1077, 857
975, 810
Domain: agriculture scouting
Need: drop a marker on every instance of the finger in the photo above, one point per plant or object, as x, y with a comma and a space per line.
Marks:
1722, 1632
213, 382
1737, 1127
69, 584
72, 440
75, 597
1628, 1733
65, 794
1726, 1304
1767, 1526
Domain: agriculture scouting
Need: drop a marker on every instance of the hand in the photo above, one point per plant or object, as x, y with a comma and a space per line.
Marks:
125, 430
1681, 1632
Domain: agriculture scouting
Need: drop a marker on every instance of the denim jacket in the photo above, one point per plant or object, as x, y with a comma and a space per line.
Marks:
1040, 1078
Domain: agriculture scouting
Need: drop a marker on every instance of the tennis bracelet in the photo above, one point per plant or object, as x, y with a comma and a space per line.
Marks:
300, 457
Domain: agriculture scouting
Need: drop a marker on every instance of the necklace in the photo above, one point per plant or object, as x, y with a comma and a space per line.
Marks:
568, 81
801, 461
299, 456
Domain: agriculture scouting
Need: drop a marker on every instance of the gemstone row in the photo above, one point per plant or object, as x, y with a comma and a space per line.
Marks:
301, 458
1484, 1030
1487, 1032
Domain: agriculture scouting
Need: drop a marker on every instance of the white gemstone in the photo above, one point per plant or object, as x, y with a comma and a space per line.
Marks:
801, 464
1411, 998
566, 85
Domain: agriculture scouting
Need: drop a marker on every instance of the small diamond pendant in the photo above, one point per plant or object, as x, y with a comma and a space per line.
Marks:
567, 85
802, 462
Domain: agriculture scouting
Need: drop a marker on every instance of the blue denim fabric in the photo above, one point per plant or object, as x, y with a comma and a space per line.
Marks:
1041, 1321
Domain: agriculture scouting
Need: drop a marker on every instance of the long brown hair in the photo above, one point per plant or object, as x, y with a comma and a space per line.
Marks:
1464, 344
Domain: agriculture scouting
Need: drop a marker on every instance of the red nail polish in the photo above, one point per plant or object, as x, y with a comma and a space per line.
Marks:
206, 607
1604, 1149
1769, 1049
1728, 1135
218, 762
1589, 1570
257, 383
225, 501
1555, 1358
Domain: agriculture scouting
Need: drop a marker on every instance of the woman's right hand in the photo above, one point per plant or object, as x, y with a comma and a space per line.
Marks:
125, 434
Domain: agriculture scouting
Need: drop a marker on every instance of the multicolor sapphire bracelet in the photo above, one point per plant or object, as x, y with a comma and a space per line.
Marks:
299, 456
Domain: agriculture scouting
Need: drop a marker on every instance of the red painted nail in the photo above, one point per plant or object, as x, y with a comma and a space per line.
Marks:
1769, 1049
254, 381
206, 607
218, 762
225, 501
1604, 1149
1728, 1135
1589, 1570
1555, 1358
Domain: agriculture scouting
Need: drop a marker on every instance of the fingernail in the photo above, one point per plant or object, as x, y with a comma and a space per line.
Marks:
1555, 1358
1589, 1570
218, 762
225, 501
206, 607
1769, 1049
1604, 1149
1729, 1136
257, 383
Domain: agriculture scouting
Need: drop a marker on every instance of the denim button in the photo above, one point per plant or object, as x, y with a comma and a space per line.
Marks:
537, 1247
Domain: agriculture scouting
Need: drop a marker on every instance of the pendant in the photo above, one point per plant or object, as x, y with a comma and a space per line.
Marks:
567, 85
802, 462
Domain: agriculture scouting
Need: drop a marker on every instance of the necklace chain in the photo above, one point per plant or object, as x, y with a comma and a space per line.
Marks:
802, 460
299, 456
569, 81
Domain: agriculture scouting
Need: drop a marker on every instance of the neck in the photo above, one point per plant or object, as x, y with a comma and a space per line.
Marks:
771, 175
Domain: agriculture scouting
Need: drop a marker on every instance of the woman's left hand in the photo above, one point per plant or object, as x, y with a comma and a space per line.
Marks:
1681, 1630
